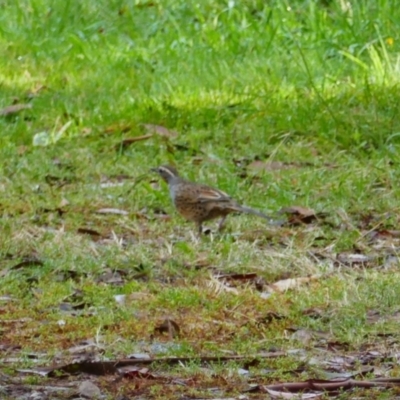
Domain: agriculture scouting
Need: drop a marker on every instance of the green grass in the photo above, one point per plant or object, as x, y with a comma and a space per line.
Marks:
313, 85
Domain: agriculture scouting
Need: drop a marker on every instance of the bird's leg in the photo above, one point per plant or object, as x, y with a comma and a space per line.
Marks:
199, 229
221, 223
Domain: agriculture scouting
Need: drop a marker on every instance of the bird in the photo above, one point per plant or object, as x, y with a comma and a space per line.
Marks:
197, 202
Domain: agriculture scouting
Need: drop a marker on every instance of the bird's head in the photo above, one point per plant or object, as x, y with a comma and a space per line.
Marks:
167, 172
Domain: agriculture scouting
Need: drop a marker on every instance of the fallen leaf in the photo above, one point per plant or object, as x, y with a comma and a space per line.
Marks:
67, 307
28, 262
133, 371
57, 181
86, 349
160, 130
46, 210
301, 215
354, 259
219, 287
237, 276
127, 142
296, 396
328, 385
140, 296
270, 317
14, 109
199, 263
115, 211
168, 326
286, 284
269, 165
314, 312
69, 274
383, 234
250, 277
336, 345
146, 4
91, 232
182, 147
111, 277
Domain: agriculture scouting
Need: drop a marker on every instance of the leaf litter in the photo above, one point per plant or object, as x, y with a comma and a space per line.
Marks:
14, 109
152, 130
321, 351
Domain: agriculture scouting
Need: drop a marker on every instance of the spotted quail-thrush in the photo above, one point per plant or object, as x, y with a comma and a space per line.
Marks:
197, 202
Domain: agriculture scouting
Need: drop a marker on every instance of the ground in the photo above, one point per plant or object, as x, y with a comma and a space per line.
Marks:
290, 107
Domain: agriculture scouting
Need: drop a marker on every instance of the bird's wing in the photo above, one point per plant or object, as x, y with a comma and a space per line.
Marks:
206, 194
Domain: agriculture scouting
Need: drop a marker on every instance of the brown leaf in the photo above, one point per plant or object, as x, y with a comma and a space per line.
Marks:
53, 180
199, 263
270, 317
314, 312
67, 307
336, 345
168, 326
57, 210
301, 215
111, 277
354, 259
146, 4
286, 284
91, 232
160, 130
250, 277
66, 274
115, 211
268, 165
14, 109
237, 276
383, 234
298, 210
28, 262
127, 142
330, 385
219, 287
135, 372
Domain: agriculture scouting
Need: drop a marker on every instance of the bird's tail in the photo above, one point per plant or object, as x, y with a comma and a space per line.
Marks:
249, 210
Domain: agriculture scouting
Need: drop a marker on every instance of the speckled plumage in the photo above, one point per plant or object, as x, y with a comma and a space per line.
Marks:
197, 202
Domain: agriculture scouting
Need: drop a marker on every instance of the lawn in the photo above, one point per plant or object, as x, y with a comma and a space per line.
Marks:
290, 107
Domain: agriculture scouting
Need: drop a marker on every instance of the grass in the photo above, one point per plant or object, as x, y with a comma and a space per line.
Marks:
310, 85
